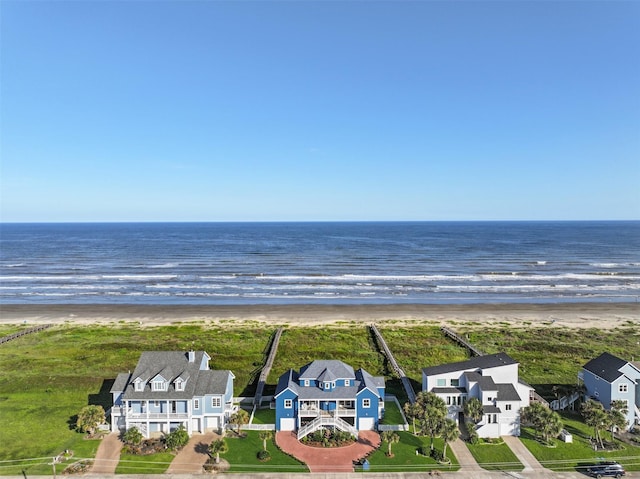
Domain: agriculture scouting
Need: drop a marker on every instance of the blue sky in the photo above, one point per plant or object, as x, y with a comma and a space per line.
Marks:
310, 110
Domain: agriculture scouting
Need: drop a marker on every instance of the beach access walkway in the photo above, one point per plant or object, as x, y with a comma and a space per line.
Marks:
394, 364
262, 380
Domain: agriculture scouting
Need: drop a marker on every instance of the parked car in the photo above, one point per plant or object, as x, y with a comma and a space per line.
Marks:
606, 469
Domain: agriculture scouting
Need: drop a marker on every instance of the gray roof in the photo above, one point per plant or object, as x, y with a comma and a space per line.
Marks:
172, 365
490, 409
329, 370
486, 383
448, 390
478, 362
506, 392
607, 366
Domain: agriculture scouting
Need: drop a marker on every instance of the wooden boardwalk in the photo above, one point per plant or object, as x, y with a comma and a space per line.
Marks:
394, 364
267, 367
460, 340
24, 332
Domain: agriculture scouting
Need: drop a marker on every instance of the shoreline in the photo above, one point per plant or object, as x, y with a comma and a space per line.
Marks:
572, 315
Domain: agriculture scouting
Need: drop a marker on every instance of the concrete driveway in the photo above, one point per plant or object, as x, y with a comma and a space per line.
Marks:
192, 456
108, 454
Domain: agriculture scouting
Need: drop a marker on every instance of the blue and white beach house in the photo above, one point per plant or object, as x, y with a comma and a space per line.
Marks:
168, 389
328, 393
608, 378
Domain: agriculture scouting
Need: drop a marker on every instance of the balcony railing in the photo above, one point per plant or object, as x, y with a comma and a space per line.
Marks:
156, 415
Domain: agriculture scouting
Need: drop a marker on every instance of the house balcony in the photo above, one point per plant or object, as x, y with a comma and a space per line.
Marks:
167, 416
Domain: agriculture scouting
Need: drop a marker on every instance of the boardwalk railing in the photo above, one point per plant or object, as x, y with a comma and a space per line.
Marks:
267, 367
460, 340
394, 364
24, 332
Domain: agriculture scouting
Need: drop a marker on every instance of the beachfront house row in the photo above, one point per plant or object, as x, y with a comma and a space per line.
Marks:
329, 394
608, 378
493, 379
168, 389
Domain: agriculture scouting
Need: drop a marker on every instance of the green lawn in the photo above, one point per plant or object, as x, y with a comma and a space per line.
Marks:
551, 356
392, 414
151, 464
242, 456
47, 377
264, 416
405, 458
568, 456
495, 457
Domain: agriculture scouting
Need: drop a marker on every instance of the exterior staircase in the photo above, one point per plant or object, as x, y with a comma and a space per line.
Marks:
322, 421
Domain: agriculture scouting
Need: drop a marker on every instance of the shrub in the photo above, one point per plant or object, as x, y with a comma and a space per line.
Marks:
177, 439
264, 455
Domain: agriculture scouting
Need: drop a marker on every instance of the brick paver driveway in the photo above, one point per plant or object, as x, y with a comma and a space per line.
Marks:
336, 459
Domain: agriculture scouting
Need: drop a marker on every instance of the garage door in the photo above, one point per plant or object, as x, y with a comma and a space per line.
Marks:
212, 423
287, 424
367, 423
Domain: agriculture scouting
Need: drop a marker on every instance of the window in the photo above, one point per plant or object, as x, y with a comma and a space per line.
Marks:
347, 382
215, 401
156, 403
455, 383
366, 403
623, 388
158, 385
441, 383
327, 385
196, 404
306, 382
288, 403
448, 400
507, 407
179, 385
139, 385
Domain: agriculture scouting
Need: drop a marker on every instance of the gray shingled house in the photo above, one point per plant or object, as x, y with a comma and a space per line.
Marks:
172, 388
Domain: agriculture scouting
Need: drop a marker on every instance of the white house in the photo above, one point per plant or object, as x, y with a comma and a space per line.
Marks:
493, 379
168, 389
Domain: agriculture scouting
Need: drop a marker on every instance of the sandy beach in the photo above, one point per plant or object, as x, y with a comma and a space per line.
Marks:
573, 315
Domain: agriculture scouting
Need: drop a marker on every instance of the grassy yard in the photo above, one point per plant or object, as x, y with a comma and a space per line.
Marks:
264, 416
495, 457
419, 347
299, 346
551, 356
243, 452
47, 377
392, 414
405, 457
152, 464
568, 456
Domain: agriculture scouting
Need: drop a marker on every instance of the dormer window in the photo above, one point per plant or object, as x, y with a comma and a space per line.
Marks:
158, 384
138, 385
179, 384
347, 382
327, 385
306, 382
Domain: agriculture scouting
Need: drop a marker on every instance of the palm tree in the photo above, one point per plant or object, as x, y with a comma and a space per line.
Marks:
265, 436
218, 447
449, 433
617, 412
433, 415
550, 425
473, 410
390, 438
239, 418
412, 411
89, 418
595, 416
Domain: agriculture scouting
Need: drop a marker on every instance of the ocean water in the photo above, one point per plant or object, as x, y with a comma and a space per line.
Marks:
331, 263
